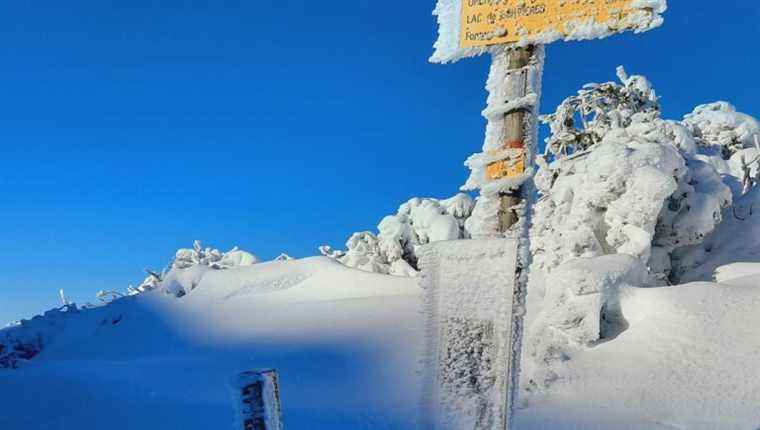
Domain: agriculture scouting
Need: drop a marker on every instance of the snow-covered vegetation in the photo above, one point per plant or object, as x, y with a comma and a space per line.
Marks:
626, 198
616, 178
620, 179
212, 258
417, 222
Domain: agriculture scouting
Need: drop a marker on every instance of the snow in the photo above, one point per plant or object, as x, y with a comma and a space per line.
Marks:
347, 344
687, 360
344, 343
258, 395
736, 271
581, 305
735, 240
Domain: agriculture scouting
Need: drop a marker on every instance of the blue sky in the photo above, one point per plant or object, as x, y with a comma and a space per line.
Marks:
130, 128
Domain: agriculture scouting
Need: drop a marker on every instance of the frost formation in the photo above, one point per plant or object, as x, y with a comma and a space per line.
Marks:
418, 222
627, 198
619, 179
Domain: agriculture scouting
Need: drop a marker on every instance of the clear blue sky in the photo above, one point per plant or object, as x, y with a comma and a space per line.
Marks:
130, 128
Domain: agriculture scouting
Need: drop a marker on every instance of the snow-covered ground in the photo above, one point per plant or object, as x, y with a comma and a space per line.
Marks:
347, 345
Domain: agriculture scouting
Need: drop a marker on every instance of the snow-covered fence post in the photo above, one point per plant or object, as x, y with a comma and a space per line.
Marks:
257, 400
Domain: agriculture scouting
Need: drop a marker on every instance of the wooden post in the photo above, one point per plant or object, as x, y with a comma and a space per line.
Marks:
522, 68
514, 133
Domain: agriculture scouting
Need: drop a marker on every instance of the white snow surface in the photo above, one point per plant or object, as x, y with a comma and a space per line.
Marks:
687, 361
347, 346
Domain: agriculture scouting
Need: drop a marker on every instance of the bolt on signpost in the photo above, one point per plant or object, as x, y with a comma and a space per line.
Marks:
514, 32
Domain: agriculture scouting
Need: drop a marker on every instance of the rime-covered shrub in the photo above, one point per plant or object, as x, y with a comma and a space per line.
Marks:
583, 120
606, 202
622, 181
363, 252
623, 194
417, 222
720, 127
188, 264
213, 258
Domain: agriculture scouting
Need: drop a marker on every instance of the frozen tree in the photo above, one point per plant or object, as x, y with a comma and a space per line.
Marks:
186, 258
417, 222
363, 252
236, 258
626, 198
619, 179
583, 120
719, 127
211, 257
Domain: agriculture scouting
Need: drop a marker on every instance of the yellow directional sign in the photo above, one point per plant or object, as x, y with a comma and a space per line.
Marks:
493, 22
508, 168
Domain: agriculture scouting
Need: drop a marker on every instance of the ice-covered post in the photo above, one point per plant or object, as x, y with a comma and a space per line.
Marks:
514, 136
514, 85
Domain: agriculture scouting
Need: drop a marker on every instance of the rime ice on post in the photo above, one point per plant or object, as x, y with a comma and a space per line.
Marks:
257, 400
505, 164
468, 303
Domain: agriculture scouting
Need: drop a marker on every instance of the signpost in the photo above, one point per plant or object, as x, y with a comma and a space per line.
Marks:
498, 22
257, 400
514, 33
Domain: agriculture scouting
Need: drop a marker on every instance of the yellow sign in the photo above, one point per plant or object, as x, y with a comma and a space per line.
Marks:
509, 168
493, 22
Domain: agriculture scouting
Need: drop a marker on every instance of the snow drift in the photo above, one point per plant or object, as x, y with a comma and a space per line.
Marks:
347, 344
